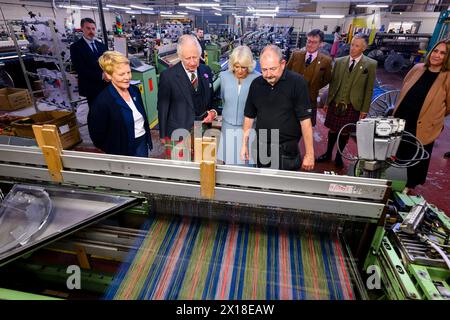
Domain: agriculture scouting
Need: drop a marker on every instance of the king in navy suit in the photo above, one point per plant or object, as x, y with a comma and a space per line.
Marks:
185, 91
84, 54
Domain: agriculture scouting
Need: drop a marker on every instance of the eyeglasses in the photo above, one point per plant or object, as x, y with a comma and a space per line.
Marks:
312, 42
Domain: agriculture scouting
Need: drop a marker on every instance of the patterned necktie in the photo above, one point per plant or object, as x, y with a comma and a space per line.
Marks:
194, 81
308, 61
94, 49
352, 65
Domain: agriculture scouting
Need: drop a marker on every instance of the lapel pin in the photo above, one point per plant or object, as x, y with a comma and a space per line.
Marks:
360, 67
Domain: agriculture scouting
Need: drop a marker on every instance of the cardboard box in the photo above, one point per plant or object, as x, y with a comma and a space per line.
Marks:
14, 98
65, 122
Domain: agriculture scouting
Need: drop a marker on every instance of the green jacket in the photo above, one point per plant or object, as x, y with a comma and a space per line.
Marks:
361, 86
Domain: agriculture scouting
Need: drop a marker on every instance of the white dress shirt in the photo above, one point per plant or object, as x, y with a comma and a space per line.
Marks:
314, 55
356, 61
139, 129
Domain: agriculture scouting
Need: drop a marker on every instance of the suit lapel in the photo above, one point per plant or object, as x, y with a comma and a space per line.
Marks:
432, 93
184, 84
359, 68
203, 79
88, 49
317, 67
341, 73
301, 63
117, 98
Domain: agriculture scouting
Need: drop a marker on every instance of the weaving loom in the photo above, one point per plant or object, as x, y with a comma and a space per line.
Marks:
265, 234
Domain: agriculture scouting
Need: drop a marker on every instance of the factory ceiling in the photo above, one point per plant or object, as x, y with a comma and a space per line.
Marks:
243, 7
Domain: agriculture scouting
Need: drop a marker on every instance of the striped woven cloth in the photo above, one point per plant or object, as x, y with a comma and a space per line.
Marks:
185, 258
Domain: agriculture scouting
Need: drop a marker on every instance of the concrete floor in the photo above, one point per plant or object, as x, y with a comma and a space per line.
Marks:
436, 189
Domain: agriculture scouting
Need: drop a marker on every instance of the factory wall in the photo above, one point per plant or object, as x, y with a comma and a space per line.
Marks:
14, 10
305, 24
428, 20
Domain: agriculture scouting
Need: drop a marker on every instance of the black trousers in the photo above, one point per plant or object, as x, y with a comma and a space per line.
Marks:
288, 157
416, 174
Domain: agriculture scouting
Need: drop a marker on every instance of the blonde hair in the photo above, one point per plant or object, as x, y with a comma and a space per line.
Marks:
243, 56
446, 62
110, 59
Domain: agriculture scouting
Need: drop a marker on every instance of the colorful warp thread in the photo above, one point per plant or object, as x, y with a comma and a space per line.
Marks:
186, 258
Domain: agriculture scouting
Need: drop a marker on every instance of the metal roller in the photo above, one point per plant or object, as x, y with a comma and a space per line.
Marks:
383, 104
394, 62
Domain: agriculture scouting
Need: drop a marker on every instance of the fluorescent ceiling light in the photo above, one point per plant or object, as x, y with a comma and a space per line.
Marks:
88, 7
148, 12
72, 7
372, 6
117, 7
215, 8
265, 15
133, 12
140, 7
172, 16
217, 14
182, 13
331, 16
192, 8
263, 10
165, 12
205, 4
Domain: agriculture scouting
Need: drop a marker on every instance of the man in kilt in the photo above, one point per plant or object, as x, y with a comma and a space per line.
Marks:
349, 95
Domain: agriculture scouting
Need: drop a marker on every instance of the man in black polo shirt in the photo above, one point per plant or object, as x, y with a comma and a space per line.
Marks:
279, 100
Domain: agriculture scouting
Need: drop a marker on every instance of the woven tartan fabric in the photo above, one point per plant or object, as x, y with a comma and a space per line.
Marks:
189, 258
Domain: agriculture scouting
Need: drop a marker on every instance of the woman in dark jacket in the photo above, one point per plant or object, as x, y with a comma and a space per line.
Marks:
118, 123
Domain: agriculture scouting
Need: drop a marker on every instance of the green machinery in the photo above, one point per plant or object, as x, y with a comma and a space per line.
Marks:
407, 265
442, 29
148, 85
212, 57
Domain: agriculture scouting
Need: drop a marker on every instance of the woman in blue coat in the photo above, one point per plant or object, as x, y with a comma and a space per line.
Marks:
234, 86
118, 123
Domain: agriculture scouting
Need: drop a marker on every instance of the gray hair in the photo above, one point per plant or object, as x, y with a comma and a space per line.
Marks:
275, 49
185, 39
362, 37
242, 55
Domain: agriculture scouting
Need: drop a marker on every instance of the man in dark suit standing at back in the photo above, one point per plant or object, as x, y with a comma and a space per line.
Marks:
199, 33
84, 54
185, 92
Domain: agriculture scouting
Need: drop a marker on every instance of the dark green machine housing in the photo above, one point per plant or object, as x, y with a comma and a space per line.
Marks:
148, 87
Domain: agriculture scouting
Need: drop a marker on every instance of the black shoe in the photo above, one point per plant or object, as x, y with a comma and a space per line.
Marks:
338, 163
324, 157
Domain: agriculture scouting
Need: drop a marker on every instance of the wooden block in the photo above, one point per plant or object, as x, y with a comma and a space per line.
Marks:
198, 149
83, 260
54, 164
207, 179
37, 130
209, 149
51, 136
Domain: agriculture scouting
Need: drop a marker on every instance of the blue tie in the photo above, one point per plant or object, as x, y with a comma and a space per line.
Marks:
94, 49
308, 61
